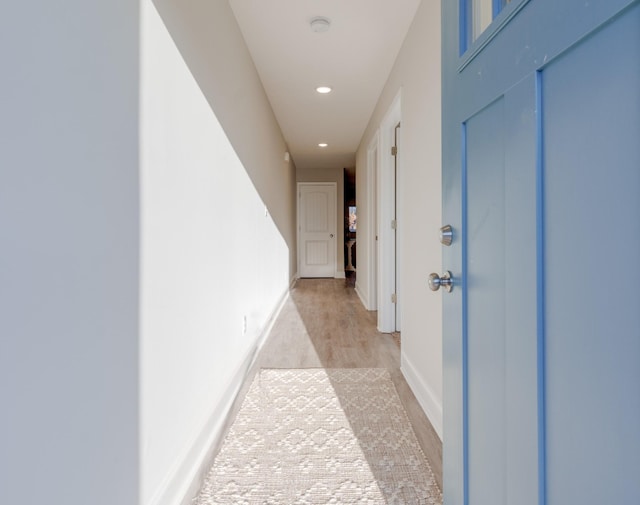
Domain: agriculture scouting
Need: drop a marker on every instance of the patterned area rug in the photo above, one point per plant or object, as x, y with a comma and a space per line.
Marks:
318, 436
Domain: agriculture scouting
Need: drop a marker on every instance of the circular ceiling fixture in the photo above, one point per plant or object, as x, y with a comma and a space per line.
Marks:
324, 89
322, 144
320, 24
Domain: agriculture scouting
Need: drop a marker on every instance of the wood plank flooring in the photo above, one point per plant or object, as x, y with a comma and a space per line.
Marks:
323, 324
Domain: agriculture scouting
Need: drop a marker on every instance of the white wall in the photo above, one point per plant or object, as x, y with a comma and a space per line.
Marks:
69, 253
330, 175
212, 253
417, 73
212, 45
134, 242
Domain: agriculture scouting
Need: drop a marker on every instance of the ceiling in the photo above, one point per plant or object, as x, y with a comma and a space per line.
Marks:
354, 57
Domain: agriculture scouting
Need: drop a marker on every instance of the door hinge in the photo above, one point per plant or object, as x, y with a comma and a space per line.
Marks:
394, 151
394, 298
394, 224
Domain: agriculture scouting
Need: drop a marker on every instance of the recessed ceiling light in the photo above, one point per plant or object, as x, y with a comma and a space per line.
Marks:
320, 25
323, 89
322, 145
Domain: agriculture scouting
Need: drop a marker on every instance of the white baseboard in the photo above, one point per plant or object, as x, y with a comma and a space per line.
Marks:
185, 479
364, 301
186, 470
340, 275
431, 406
268, 325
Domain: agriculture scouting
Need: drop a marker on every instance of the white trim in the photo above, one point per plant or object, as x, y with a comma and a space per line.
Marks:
387, 235
372, 228
429, 402
340, 274
399, 228
185, 478
358, 291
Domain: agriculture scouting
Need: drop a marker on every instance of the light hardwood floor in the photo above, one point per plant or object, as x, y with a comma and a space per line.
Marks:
323, 324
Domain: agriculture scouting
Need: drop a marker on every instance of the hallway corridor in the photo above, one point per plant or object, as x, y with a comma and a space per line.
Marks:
324, 325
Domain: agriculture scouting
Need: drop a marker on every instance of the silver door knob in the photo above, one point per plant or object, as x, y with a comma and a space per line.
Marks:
446, 235
435, 281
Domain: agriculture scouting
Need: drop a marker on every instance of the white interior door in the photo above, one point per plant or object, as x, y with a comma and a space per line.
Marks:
317, 229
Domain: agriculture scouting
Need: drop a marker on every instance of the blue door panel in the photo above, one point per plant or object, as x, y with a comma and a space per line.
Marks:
521, 335
591, 104
541, 183
485, 280
499, 198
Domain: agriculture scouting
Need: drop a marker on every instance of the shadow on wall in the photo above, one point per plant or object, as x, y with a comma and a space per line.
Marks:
214, 266
211, 44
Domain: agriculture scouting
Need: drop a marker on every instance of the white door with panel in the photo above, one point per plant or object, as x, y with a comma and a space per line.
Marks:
317, 229
541, 185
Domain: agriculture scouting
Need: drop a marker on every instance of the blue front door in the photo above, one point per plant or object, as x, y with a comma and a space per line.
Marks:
541, 184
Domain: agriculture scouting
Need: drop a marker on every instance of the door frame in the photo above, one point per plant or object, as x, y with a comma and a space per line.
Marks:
334, 229
388, 238
372, 225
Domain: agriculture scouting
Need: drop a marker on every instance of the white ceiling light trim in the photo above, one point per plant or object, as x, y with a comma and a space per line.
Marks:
320, 24
324, 89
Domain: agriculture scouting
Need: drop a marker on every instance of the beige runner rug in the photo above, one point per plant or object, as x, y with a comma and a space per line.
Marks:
318, 436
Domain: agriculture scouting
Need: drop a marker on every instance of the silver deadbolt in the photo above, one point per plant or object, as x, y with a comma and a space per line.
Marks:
446, 281
446, 235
